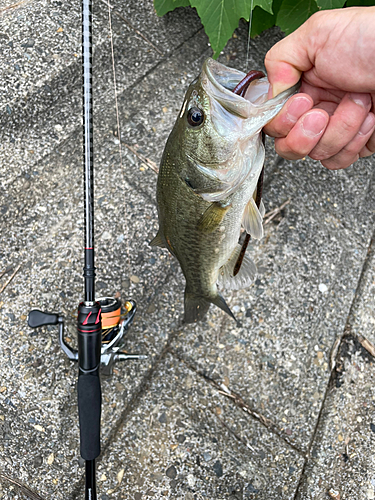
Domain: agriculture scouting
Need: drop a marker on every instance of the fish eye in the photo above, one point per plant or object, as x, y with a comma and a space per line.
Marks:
195, 117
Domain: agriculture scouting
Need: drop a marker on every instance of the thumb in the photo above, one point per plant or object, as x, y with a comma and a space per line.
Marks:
287, 60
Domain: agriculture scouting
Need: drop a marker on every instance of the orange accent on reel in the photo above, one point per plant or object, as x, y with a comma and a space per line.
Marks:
111, 319
111, 311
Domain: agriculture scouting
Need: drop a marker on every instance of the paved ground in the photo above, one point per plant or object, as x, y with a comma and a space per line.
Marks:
280, 406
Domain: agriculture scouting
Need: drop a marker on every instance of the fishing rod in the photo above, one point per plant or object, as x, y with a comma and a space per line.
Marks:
100, 325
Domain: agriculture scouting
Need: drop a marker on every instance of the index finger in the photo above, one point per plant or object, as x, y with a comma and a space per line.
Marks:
294, 108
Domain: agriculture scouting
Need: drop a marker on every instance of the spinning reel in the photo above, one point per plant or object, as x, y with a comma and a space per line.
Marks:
114, 328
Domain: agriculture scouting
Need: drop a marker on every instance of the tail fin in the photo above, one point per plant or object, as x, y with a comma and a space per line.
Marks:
196, 307
219, 301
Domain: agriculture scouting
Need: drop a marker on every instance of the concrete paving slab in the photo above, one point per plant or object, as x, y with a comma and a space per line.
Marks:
41, 68
42, 231
341, 462
185, 439
278, 359
148, 111
38, 385
341, 465
144, 125
346, 197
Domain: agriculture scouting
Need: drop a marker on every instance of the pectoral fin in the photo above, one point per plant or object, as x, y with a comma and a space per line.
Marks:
262, 210
212, 217
158, 241
252, 220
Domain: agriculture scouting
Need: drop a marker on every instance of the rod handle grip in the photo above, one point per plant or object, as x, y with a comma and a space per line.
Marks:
39, 318
89, 409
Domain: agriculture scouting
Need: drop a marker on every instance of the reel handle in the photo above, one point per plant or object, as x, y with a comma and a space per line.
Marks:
39, 318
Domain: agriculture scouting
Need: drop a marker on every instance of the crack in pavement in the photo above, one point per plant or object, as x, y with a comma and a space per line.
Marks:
240, 403
345, 335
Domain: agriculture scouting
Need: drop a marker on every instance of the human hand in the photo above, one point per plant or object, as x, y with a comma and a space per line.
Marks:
332, 118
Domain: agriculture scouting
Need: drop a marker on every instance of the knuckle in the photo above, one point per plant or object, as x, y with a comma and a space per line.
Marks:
283, 150
319, 155
339, 161
365, 152
315, 17
273, 130
296, 148
351, 150
331, 165
349, 124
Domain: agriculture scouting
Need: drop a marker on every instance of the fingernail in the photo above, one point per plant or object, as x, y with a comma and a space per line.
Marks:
363, 100
297, 108
313, 124
367, 125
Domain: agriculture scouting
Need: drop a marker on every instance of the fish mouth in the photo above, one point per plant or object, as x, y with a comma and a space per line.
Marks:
220, 83
222, 77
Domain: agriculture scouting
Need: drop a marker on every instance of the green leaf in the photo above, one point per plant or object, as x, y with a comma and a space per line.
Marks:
359, 3
330, 4
261, 20
294, 13
220, 17
263, 4
164, 6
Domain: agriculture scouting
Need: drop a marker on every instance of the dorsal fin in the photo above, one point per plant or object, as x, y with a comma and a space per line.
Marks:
158, 241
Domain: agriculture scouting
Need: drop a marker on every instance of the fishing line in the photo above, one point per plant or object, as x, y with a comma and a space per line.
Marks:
249, 33
118, 134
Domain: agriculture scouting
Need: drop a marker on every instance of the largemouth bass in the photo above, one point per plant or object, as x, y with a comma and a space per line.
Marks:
207, 183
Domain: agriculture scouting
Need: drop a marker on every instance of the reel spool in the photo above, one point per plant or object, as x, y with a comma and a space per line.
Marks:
111, 315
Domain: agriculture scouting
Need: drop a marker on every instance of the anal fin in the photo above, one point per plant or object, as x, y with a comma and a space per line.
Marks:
196, 306
245, 275
219, 301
